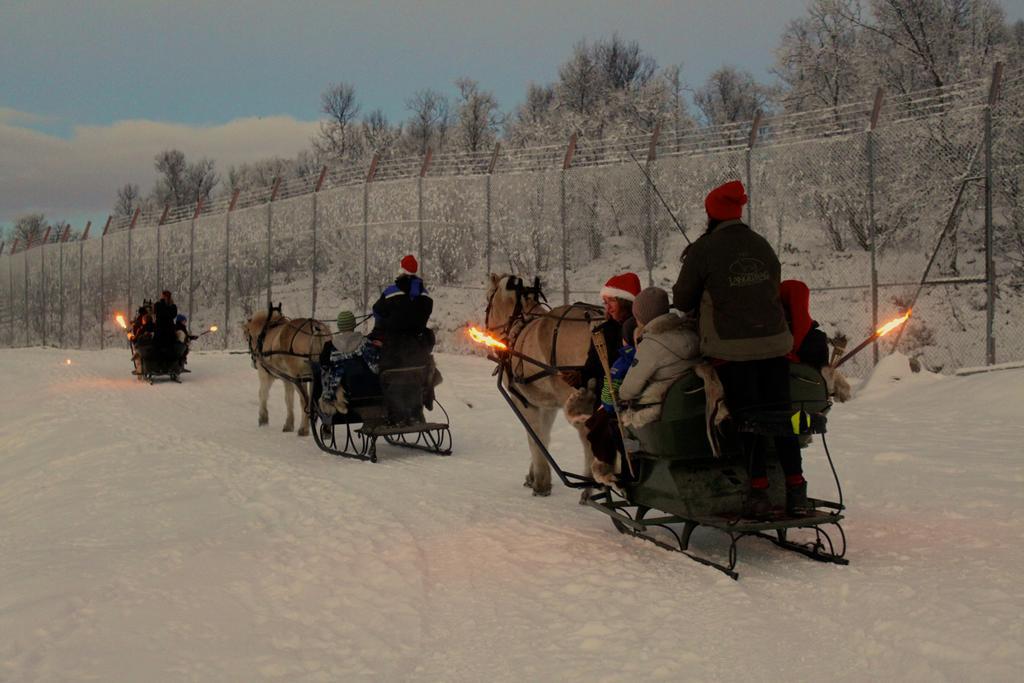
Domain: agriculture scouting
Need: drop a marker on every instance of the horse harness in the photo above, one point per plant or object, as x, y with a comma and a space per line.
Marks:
521, 317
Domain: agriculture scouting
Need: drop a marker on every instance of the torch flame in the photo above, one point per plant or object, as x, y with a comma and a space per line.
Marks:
121, 321
487, 340
893, 324
213, 328
67, 361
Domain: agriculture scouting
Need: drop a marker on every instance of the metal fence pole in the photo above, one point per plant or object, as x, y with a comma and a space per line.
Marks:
131, 228
751, 141
103, 291
570, 151
227, 267
60, 295
81, 278
651, 239
872, 228
192, 259
419, 211
366, 230
25, 312
990, 266
316, 194
10, 313
42, 286
487, 190
159, 282
270, 220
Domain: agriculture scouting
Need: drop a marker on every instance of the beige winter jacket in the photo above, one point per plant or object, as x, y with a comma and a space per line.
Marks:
668, 348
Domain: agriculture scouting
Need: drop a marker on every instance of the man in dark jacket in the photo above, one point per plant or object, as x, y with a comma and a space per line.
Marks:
404, 307
730, 276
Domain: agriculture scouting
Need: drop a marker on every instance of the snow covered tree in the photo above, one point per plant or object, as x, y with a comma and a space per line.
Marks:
478, 116
820, 58
430, 121
128, 198
335, 139
29, 229
730, 95
182, 183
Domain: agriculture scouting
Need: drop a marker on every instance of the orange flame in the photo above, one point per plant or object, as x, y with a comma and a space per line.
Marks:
213, 328
67, 361
487, 340
121, 321
893, 324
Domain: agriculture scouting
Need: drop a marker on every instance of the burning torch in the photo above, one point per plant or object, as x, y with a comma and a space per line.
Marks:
213, 328
481, 337
876, 335
119, 319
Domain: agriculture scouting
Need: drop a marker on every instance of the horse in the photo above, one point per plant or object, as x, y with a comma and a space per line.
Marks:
282, 348
559, 337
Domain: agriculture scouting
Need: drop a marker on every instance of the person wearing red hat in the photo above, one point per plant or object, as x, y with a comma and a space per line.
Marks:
730, 277
403, 308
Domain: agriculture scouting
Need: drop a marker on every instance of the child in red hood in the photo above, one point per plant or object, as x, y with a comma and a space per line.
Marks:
810, 344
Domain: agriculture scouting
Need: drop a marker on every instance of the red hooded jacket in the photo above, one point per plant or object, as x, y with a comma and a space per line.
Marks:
796, 299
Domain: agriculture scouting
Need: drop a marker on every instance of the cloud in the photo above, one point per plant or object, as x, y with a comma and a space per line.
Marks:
80, 174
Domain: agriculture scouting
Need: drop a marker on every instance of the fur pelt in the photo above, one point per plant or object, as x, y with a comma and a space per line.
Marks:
715, 410
837, 384
580, 404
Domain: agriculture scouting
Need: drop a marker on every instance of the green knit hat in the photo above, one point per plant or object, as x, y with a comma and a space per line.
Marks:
346, 321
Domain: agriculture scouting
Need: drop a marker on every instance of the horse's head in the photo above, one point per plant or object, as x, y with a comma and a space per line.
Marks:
257, 325
508, 296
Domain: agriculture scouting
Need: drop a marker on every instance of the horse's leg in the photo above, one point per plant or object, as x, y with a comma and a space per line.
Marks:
266, 379
588, 460
304, 403
289, 403
539, 476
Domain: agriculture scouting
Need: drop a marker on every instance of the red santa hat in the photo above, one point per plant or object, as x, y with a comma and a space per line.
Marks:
622, 286
410, 266
725, 202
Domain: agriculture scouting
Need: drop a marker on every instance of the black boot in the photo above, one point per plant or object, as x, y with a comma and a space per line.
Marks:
796, 499
757, 504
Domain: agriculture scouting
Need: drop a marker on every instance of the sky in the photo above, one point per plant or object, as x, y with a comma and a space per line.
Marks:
91, 91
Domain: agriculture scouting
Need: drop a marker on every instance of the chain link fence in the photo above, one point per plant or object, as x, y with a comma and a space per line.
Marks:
876, 205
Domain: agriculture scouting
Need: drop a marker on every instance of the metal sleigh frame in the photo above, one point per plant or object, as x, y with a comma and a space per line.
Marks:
365, 423
632, 518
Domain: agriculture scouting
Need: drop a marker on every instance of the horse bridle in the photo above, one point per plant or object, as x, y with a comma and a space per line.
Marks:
514, 284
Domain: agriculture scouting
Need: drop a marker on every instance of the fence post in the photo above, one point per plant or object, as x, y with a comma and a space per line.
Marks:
192, 258
103, 291
990, 265
872, 228
159, 282
60, 291
419, 210
570, 151
651, 241
270, 220
316, 192
487, 189
131, 228
751, 141
25, 258
227, 266
366, 229
81, 277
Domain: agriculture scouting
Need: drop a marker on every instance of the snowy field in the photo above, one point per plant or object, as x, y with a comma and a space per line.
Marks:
154, 533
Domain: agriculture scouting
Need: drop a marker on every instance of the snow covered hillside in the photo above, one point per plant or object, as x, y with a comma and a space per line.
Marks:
155, 533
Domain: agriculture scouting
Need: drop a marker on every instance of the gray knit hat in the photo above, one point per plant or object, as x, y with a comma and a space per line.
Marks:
346, 321
649, 304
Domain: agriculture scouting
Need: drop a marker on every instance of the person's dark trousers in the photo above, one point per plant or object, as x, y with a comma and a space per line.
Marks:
762, 385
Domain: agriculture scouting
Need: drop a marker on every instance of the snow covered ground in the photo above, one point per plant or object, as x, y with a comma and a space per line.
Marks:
154, 533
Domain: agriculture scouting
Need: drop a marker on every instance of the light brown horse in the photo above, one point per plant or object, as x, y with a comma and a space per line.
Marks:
281, 348
558, 337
